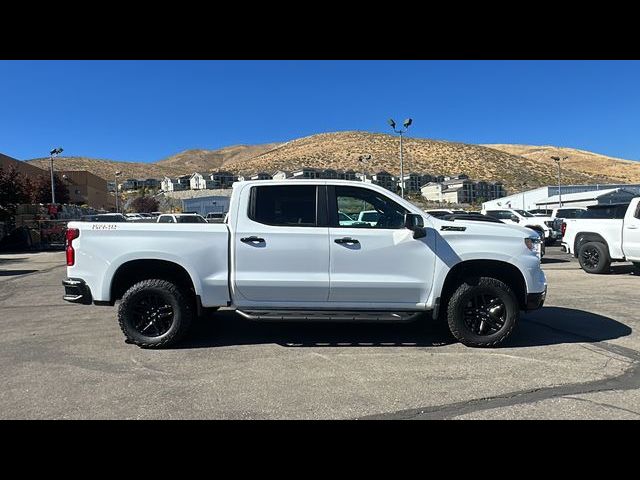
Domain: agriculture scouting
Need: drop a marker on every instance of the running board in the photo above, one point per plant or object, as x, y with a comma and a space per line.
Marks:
329, 315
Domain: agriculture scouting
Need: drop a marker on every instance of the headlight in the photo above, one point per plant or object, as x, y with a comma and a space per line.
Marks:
532, 243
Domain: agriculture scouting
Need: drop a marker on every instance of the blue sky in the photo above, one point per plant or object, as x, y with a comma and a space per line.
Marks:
147, 110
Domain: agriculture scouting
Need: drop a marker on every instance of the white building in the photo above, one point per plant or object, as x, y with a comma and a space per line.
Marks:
529, 200
281, 175
197, 182
586, 199
171, 185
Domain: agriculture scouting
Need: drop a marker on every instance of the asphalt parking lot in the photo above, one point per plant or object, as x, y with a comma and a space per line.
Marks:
577, 358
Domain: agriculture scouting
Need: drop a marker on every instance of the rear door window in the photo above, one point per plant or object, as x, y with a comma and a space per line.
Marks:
286, 205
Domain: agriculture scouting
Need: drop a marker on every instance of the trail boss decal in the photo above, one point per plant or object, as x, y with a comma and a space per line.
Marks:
104, 226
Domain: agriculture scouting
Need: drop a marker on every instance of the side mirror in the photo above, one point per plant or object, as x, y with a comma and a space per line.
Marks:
415, 223
515, 218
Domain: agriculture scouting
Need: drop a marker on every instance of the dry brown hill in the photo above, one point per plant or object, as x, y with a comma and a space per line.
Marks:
511, 164
342, 151
106, 168
617, 169
210, 160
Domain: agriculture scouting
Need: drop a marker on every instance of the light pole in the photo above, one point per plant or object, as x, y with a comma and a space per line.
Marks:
558, 160
523, 186
115, 177
405, 125
52, 154
364, 159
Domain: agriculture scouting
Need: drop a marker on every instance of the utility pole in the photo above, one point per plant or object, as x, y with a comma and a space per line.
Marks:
52, 154
115, 177
405, 125
558, 160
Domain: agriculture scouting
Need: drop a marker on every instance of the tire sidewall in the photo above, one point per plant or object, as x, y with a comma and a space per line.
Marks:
603, 261
129, 300
464, 293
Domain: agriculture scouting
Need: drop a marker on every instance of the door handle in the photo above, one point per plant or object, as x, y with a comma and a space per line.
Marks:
252, 239
632, 227
347, 240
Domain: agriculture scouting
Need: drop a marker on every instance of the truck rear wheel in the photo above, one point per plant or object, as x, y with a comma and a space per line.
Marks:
482, 312
594, 257
154, 314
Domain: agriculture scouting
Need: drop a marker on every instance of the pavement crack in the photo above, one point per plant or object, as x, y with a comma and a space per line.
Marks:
601, 404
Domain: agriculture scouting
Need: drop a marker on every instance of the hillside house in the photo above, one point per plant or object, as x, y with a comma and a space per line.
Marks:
197, 182
385, 180
261, 176
281, 175
223, 179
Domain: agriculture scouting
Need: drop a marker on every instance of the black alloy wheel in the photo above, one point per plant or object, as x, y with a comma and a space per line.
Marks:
485, 314
590, 257
153, 316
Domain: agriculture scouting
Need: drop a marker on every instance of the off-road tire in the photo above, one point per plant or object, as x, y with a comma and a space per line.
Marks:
603, 264
180, 303
462, 296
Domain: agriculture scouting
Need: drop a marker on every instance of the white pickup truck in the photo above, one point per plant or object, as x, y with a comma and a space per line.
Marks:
547, 227
284, 254
604, 234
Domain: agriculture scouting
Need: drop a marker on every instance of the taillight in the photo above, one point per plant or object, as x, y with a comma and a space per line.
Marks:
563, 228
71, 253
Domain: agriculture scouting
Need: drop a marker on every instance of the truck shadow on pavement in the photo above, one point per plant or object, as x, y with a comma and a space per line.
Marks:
548, 326
623, 270
11, 273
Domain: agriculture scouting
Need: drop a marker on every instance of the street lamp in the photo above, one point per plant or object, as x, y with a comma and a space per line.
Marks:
405, 126
558, 160
364, 159
523, 185
115, 177
52, 154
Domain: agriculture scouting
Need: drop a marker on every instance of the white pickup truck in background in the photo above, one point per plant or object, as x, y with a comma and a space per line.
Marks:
286, 253
547, 227
604, 234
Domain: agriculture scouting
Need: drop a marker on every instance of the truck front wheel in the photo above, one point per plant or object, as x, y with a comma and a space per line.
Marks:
154, 313
482, 312
594, 257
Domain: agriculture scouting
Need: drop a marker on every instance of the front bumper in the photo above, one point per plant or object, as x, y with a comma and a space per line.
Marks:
76, 291
536, 300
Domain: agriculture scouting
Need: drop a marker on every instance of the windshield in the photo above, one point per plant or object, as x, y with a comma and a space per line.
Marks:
524, 213
191, 219
369, 216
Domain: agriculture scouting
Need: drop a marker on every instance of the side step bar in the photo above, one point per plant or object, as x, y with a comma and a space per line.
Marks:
329, 315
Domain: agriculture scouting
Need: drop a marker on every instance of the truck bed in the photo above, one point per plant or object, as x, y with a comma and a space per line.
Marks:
202, 249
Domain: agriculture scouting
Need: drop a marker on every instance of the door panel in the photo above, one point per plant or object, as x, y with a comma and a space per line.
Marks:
282, 261
375, 261
631, 235
386, 266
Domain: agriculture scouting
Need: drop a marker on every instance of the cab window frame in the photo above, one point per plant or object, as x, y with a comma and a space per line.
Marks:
332, 207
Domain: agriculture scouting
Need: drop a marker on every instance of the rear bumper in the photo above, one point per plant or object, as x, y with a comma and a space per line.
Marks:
536, 300
76, 291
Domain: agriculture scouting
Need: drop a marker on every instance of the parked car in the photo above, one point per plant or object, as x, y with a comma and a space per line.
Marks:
180, 218
568, 212
284, 255
215, 217
105, 217
441, 212
547, 227
369, 216
604, 234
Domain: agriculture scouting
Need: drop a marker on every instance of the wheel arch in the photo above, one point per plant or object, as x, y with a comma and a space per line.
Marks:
504, 271
134, 271
584, 237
